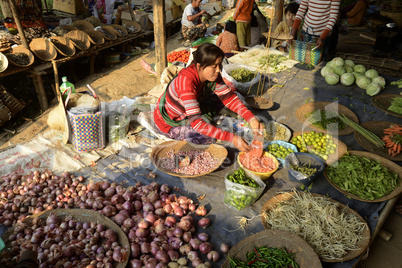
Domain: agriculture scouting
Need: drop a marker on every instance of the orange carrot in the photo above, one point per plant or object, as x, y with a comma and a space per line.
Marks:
399, 149
395, 147
390, 151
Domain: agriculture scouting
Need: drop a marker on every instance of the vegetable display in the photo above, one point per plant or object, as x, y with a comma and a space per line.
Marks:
279, 151
331, 231
306, 170
316, 143
397, 83
396, 105
262, 164
274, 132
325, 120
272, 61
242, 75
266, 257
363, 177
182, 55
240, 177
393, 139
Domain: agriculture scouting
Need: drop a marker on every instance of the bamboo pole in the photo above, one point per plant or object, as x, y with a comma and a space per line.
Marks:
160, 35
18, 22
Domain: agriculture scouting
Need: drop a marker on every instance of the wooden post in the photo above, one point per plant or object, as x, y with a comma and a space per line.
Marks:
130, 7
278, 5
18, 22
160, 35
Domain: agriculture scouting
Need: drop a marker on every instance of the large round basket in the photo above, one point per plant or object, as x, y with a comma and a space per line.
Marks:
304, 254
383, 102
82, 215
386, 163
161, 151
82, 25
3, 62
80, 39
95, 37
63, 45
120, 30
63, 29
20, 56
361, 247
304, 111
132, 26
43, 49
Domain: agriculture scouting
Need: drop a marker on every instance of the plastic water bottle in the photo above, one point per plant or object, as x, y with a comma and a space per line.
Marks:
66, 87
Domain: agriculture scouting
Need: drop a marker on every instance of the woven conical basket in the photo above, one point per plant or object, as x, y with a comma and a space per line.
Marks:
95, 37
82, 25
80, 39
63, 29
120, 30
108, 32
63, 45
17, 50
43, 49
132, 26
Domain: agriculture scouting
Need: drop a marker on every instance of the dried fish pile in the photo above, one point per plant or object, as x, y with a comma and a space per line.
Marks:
38, 32
9, 40
19, 58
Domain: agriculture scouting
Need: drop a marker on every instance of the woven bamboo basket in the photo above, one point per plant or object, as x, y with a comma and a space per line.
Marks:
63, 45
120, 30
108, 32
94, 21
43, 49
63, 29
3, 62
95, 37
11, 102
82, 25
80, 39
17, 50
132, 26
5, 114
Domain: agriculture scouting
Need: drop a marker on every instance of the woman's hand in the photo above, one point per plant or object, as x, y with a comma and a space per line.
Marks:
240, 144
320, 43
293, 33
256, 126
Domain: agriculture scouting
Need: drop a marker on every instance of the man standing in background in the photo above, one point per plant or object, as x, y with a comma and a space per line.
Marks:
242, 17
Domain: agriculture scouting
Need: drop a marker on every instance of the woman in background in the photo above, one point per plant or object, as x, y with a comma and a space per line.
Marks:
227, 41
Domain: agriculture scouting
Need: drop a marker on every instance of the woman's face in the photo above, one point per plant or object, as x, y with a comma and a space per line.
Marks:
210, 72
290, 19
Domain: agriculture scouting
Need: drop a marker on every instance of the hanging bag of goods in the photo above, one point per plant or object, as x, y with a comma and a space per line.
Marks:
86, 122
304, 49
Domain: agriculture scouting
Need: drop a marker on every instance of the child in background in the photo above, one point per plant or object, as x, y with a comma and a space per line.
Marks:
284, 27
227, 41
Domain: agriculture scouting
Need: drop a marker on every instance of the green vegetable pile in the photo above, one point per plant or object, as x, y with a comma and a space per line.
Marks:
306, 170
272, 61
396, 105
363, 177
397, 83
319, 144
266, 257
279, 151
325, 120
242, 75
240, 177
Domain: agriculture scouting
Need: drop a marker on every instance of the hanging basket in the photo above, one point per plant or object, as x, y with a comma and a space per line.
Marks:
20, 56
82, 25
3, 62
120, 30
132, 26
63, 45
43, 49
95, 37
80, 39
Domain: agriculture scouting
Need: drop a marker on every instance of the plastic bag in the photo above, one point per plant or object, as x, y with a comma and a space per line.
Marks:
239, 196
118, 123
241, 87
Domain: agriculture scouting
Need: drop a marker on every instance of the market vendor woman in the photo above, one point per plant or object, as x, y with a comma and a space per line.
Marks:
185, 110
191, 26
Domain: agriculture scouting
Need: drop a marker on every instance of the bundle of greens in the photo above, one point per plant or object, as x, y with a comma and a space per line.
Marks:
242, 75
396, 105
325, 120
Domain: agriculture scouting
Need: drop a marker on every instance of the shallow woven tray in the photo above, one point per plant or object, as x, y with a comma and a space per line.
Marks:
377, 127
81, 37
95, 37
161, 151
259, 102
386, 163
82, 215
341, 149
287, 130
22, 49
307, 108
304, 253
4, 62
273, 202
135, 24
383, 102
82, 25
43, 49
120, 30
68, 44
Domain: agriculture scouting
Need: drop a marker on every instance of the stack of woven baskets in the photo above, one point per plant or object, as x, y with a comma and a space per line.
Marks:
9, 105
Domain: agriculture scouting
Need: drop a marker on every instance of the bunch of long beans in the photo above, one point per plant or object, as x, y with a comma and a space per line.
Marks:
370, 136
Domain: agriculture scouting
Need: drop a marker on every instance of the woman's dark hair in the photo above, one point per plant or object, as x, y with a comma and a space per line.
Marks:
230, 26
207, 54
292, 8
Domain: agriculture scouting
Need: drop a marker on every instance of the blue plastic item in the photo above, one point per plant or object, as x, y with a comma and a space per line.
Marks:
287, 145
2, 245
305, 159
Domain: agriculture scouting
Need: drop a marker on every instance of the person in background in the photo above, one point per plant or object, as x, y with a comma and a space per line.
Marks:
242, 17
320, 18
285, 26
227, 41
185, 111
356, 15
191, 26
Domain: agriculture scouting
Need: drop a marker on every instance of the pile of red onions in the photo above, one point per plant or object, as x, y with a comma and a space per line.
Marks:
66, 243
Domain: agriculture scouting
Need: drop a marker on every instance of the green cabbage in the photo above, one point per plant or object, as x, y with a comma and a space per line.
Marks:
332, 79
330, 64
347, 79
373, 89
340, 70
357, 75
338, 61
380, 80
363, 82
326, 70
371, 73
349, 69
349, 63
360, 68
